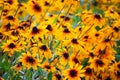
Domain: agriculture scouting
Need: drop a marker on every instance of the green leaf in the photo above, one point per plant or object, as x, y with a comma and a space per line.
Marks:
97, 28
75, 20
117, 57
56, 44
23, 1
5, 76
55, 20
49, 76
85, 62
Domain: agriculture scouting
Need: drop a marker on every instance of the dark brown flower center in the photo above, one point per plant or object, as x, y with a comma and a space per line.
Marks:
46, 3
66, 30
99, 62
116, 29
97, 16
47, 66
96, 34
37, 8
67, 19
9, 1
10, 18
35, 30
43, 47
66, 55
106, 40
30, 59
74, 41
75, 60
73, 73
49, 27
1, 35
11, 45
118, 66
91, 54
88, 71
58, 76
118, 74
86, 37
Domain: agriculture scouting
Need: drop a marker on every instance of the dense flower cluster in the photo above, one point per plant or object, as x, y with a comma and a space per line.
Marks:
72, 39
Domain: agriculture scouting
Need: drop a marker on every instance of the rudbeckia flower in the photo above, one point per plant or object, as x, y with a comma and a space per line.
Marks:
74, 73
29, 60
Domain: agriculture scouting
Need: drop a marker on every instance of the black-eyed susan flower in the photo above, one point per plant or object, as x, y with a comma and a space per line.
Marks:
89, 74
74, 73
94, 19
66, 31
35, 8
98, 64
74, 60
48, 67
10, 47
65, 57
44, 51
57, 76
36, 32
29, 60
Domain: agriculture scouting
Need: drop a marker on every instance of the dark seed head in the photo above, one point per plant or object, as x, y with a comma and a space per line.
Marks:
96, 34
46, 3
49, 27
58, 76
107, 40
75, 60
116, 29
30, 59
74, 41
43, 47
73, 73
99, 62
10, 18
35, 30
88, 71
47, 66
97, 16
37, 8
66, 55
66, 30
11, 45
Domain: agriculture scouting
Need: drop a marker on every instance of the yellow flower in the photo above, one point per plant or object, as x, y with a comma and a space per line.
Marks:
64, 56
29, 60
57, 76
10, 47
98, 64
44, 51
35, 8
48, 67
74, 73
89, 74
